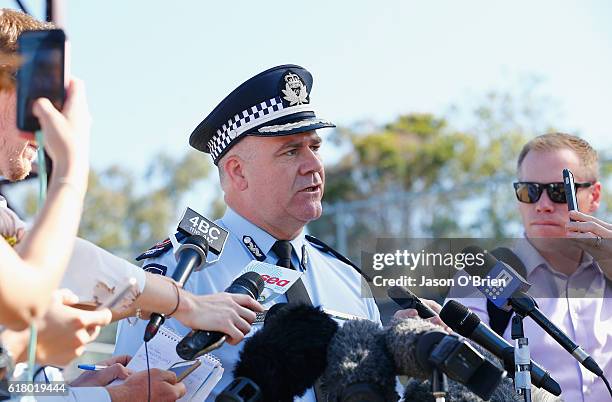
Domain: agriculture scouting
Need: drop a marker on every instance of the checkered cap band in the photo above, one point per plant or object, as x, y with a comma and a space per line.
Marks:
247, 119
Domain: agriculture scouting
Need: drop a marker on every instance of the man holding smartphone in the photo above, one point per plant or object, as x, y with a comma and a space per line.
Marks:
567, 282
64, 329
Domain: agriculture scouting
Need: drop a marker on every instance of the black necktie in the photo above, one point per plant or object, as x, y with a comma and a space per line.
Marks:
296, 293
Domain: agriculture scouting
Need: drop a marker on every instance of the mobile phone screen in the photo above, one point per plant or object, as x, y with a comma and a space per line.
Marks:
41, 73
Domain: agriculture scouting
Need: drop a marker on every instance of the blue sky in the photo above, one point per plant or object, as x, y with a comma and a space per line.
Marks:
154, 69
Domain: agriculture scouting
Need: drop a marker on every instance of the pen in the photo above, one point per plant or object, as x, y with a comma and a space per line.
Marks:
91, 367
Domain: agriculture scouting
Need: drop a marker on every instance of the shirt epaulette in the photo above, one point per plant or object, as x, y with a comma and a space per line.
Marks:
160, 248
327, 249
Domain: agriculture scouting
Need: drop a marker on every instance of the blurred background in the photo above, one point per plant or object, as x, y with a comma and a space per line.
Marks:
433, 101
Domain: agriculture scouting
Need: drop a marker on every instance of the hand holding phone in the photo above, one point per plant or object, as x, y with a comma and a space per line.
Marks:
42, 74
183, 369
570, 191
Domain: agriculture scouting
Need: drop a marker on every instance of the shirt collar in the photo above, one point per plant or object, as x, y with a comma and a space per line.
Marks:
240, 227
532, 259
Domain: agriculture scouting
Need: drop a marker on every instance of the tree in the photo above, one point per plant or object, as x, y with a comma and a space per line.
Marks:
125, 214
420, 176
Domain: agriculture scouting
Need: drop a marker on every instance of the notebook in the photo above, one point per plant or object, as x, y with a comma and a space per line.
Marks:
162, 355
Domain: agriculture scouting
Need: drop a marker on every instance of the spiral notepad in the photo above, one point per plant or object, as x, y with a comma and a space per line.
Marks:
162, 355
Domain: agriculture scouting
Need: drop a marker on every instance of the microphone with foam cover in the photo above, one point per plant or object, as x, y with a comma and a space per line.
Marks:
359, 367
288, 354
418, 346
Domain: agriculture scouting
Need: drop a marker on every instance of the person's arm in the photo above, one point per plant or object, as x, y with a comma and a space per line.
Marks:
29, 276
231, 314
62, 333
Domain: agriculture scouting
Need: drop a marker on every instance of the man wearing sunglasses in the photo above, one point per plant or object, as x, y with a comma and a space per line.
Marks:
556, 266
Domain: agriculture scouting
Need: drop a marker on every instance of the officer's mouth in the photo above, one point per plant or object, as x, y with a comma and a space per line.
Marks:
311, 189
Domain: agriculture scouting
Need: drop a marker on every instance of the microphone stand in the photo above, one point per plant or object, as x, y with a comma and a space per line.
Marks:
522, 359
439, 385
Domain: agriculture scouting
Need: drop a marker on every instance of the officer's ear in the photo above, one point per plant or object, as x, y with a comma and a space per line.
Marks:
233, 172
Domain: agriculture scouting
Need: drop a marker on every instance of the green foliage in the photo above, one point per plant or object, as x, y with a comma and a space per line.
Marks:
126, 215
421, 176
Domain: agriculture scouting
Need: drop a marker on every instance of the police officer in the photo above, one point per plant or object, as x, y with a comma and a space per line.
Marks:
263, 139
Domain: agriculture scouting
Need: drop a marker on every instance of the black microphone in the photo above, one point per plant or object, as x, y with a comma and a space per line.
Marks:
271, 312
406, 299
197, 343
465, 322
512, 294
284, 358
359, 367
191, 255
420, 391
417, 346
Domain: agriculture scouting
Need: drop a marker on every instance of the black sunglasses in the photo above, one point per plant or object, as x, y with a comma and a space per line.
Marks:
529, 192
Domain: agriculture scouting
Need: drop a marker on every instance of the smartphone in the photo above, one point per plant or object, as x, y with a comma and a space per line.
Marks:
42, 73
183, 369
570, 190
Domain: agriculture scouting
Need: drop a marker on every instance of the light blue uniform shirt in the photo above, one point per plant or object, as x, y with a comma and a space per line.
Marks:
331, 284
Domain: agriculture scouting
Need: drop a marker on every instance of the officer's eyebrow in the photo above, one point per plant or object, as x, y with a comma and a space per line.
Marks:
310, 140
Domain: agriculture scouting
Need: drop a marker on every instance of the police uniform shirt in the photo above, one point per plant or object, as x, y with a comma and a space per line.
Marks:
331, 284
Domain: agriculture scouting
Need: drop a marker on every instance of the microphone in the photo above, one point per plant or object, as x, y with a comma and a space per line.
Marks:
359, 367
512, 295
192, 223
199, 342
417, 346
416, 390
462, 320
504, 254
406, 299
273, 310
285, 357
190, 256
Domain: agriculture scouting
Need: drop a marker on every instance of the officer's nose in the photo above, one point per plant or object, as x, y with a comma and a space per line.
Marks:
311, 162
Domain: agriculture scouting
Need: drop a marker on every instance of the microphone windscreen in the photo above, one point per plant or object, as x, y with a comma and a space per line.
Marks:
289, 353
358, 354
460, 318
402, 338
